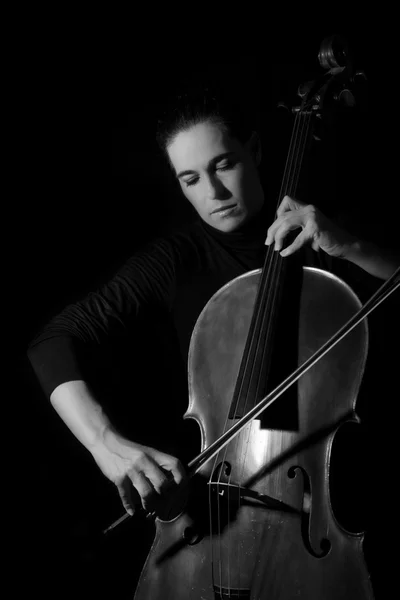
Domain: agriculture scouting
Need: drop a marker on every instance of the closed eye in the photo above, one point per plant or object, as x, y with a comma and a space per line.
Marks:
191, 182
225, 167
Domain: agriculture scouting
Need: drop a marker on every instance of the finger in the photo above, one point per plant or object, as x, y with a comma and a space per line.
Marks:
287, 204
171, 466
270, 238
284, 206
178, 471
159, 477
290, 224
145, 489
300, 240
125, 493
272, 231
283, 224
315, 244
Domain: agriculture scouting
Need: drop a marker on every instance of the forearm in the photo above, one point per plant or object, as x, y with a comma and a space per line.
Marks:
130, 466
80, 411
379, 262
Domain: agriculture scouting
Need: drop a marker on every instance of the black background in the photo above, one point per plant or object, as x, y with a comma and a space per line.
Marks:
88, 211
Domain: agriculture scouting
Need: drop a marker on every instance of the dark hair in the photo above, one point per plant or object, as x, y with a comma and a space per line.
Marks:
213, 98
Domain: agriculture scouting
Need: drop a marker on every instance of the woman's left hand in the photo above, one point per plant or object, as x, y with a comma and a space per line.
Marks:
317, 230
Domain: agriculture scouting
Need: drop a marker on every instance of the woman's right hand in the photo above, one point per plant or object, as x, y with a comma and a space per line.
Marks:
142, 475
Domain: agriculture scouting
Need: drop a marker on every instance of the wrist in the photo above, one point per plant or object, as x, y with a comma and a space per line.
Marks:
354, 249
376, 261
112, 441
106, 446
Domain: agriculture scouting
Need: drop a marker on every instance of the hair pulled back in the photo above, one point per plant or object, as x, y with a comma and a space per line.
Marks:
219, 96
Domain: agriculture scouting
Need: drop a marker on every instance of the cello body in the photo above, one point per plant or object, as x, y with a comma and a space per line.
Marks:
257, 522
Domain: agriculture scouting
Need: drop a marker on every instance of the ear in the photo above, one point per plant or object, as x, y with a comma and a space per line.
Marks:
254, 147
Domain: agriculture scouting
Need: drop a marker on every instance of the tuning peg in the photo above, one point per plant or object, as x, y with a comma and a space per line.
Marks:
346, 98
283, 105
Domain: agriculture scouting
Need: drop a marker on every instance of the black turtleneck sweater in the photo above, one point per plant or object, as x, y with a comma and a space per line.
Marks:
173, 276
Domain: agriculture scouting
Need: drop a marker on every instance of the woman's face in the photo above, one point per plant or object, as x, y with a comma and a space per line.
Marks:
218, 175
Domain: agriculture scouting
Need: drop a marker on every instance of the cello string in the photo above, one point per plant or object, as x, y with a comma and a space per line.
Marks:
275, 280
266, 276
274, 261
281, 266
214, 560
273, 284
269, 272
271, 263
297, 150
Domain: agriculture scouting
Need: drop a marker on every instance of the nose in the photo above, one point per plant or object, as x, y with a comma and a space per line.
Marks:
216, 189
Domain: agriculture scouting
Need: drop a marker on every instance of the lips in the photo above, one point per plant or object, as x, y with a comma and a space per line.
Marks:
221, 208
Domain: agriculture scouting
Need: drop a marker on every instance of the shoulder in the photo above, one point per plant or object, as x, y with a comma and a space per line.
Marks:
166, 256
179, 244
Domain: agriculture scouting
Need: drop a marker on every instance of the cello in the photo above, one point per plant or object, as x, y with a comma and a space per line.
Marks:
257, 521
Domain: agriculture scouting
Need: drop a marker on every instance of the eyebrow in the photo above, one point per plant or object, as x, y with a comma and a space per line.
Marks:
213, 161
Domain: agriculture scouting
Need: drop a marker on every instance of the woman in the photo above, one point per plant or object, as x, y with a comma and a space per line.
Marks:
214, 153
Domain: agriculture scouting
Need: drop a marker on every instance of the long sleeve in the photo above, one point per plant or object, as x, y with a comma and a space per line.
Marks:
147, 280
